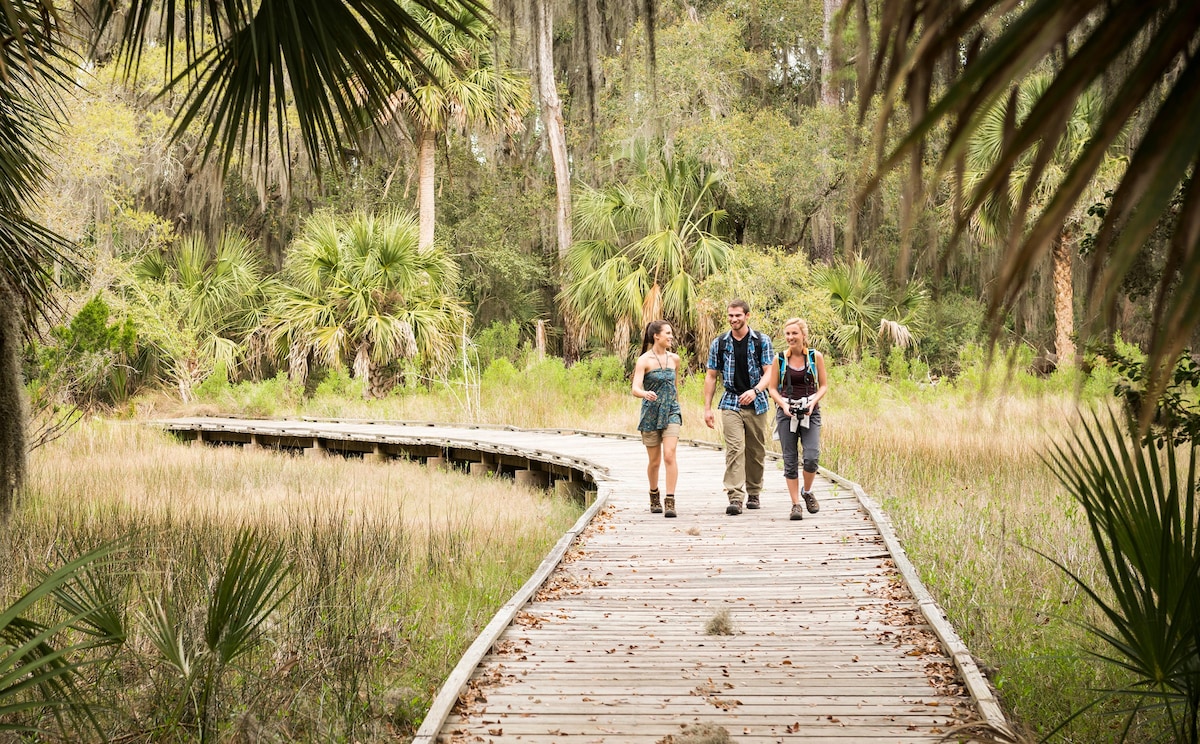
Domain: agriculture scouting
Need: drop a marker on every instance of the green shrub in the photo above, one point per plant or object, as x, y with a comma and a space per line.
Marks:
955, 321
499, 341
337, 383
500, 372
606, 369
86, 361
215, 385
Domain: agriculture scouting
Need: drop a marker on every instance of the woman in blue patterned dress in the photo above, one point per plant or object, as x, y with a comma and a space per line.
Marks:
654, 382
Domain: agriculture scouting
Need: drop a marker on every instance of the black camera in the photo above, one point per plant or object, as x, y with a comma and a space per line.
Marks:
798, 406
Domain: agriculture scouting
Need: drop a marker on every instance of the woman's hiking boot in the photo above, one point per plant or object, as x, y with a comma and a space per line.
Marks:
810, 500
669, 505
655, 503
735, 507
797, 512
752, 501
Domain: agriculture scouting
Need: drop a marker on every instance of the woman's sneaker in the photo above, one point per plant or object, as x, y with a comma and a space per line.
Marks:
810, 500
797, 512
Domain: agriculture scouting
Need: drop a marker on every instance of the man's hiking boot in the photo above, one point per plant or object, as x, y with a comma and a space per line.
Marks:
810, 500
669, 505
752, 501
655, 504
797, 512
735, 507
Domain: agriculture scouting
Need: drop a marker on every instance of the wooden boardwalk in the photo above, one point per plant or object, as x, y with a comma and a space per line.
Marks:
831, 637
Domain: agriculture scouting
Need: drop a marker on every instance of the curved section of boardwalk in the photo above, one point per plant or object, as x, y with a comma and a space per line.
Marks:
831, 637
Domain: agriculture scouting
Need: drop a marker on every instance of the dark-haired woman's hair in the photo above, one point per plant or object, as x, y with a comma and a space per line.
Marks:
652, 329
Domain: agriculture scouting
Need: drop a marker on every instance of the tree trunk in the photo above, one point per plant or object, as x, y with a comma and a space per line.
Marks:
362, 367
551, 105
298, 365
551, 113
378, 383
1064, 302
425, 192
13, 410
829, 91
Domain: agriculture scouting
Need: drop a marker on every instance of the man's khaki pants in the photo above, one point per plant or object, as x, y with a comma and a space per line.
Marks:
745, 452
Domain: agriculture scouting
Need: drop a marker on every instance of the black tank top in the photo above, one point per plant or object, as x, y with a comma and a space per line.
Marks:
799, 383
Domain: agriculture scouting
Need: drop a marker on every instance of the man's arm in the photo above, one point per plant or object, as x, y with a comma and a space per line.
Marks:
710, 387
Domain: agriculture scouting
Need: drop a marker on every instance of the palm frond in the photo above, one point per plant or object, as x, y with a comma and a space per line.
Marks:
1142, 510
332, 61
251, 586
1004, 42
37, 674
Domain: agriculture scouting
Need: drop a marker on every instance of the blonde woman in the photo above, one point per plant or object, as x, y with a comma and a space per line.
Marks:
654, 381
800, 386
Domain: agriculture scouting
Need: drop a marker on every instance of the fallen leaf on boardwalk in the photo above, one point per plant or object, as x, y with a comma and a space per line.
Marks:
528, 619
793, 728
496, 731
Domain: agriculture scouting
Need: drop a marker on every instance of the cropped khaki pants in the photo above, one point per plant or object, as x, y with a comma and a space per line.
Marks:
745, 452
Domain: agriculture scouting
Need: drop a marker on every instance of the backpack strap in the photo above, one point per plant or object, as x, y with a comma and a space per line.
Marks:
724, 340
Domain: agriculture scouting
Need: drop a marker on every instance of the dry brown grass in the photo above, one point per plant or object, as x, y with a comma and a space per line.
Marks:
396, 568
127, 466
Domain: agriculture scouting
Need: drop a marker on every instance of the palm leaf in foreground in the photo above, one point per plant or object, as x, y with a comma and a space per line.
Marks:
332, 61
1142, 508
918, 41
38, 674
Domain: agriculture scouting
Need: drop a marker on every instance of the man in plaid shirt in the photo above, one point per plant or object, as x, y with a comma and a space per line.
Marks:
745, 362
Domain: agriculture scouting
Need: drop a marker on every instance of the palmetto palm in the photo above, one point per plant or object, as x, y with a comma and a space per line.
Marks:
1141, 503
868, 312
248, 64
221, 294
363, 291
993, 221
33, 76
648, 243
1143, 53
464, 87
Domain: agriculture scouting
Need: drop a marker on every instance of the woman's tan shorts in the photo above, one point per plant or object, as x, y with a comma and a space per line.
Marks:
654, 438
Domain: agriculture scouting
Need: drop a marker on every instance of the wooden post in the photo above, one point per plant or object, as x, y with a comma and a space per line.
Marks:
380, 454
569, 490
483, 468
317, 449
437, 462
532, 478
253, 444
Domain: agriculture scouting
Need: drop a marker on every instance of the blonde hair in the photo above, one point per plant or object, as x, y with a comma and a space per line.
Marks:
787, 351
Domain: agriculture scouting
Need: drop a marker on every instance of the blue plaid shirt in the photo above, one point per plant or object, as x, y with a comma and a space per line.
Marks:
754, 351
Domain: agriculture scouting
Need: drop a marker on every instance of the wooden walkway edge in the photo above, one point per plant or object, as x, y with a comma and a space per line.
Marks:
574, 623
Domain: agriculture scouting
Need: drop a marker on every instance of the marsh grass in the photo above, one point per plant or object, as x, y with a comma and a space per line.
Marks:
957, 466
960, 472
395, 569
